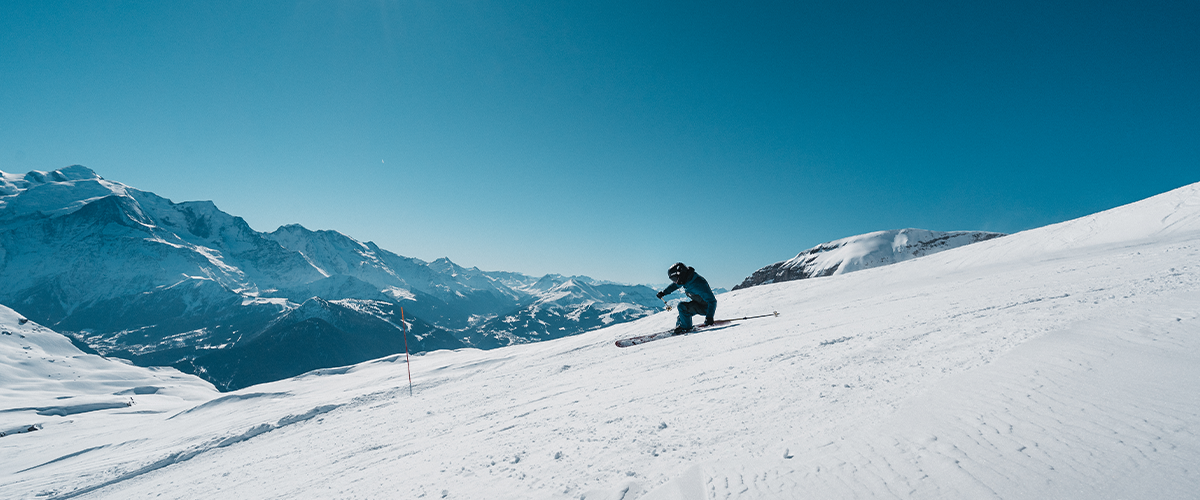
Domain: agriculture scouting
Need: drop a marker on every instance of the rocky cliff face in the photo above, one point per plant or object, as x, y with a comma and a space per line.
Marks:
861, 252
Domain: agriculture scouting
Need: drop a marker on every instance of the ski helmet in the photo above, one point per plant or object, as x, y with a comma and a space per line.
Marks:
678, 273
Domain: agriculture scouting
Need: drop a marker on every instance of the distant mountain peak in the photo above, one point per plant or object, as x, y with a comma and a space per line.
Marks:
65, 174
75, 173
864, 251
53, 193
445, 265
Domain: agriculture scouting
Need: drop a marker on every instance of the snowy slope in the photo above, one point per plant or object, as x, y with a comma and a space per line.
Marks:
46, 379
1061, 362
864, 251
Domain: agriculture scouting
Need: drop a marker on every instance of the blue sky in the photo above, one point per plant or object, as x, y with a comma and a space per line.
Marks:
612, 138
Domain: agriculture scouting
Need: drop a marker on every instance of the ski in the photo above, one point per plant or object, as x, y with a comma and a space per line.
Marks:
642, 339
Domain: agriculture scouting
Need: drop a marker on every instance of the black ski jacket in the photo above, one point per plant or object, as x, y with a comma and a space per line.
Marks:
698, 290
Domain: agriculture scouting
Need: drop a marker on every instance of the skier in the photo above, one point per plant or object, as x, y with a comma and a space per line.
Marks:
696, 287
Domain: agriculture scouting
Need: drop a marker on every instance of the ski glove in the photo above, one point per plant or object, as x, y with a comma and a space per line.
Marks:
660, 295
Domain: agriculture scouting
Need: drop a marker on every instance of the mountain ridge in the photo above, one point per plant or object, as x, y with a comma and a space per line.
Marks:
130, 273
863, 251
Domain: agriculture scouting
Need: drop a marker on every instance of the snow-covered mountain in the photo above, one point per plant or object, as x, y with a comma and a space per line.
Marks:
135, 275
441, 291
566, 306
863, 252
1061, 362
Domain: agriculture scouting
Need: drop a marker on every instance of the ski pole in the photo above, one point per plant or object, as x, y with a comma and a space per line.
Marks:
669, 307
772, 313
730, 320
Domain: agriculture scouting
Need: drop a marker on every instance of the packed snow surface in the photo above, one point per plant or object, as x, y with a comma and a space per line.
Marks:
1061, 362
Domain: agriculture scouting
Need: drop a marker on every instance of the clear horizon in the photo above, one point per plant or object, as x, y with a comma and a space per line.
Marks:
611, 139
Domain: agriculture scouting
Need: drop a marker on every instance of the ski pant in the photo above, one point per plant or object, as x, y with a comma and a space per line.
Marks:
689, 309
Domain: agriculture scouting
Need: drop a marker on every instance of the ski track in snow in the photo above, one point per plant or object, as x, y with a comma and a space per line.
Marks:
1059, 363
